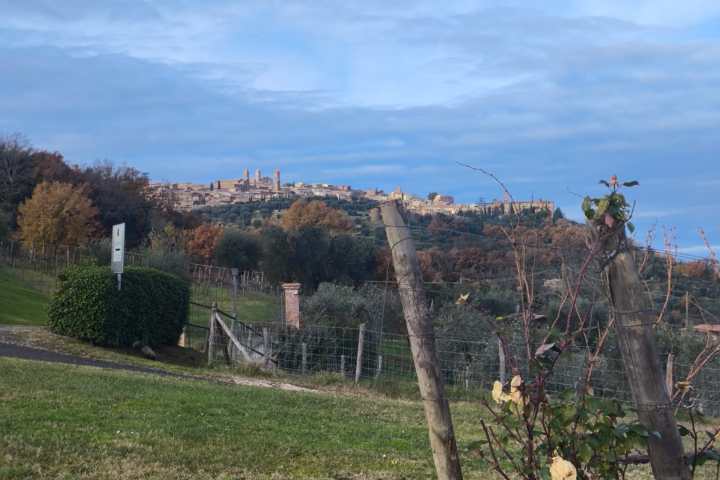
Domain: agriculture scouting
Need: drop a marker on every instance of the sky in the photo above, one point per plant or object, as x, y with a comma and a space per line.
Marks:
550, 96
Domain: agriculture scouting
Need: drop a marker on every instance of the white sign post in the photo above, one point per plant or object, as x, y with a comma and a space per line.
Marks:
117, 262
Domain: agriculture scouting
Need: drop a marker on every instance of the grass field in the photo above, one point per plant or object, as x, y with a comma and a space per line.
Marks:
251, 307
79, 422
20, 304
24, 296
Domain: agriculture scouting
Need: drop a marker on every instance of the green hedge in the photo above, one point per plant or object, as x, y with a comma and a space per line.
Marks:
152, 306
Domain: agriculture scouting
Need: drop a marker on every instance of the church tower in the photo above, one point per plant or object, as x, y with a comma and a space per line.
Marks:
276, 182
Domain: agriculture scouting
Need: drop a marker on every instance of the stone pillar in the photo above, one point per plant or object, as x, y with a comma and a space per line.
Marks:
292, 304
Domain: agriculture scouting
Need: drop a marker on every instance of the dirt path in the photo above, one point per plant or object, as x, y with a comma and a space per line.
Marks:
29, 353
11, 349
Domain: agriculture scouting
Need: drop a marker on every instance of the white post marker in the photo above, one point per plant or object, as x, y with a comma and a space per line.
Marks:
117, 261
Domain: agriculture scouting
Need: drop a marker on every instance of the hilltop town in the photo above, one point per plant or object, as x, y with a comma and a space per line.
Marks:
259, 188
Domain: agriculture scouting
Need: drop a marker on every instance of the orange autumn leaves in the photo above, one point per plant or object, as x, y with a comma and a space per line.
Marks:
315, 214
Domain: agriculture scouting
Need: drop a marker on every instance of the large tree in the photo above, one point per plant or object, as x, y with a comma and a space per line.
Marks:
238, 249
316, 213
202, 242
16, 174
22, 168
56, 214
120, 195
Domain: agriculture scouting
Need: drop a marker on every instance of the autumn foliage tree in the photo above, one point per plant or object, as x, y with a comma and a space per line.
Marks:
56, 214
202, 241
315, 213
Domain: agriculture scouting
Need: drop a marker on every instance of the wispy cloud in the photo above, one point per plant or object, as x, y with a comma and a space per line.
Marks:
381, 93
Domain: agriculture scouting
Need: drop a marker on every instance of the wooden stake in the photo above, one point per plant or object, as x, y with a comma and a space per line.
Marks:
501, 361
422, 344
342, 365
359, 357
304, 357
669, 374
636, 340
211, 336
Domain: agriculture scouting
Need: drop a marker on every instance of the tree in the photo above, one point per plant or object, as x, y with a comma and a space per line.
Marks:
315, 214
238, 250
203, 241
16, 173
4, 228
275, 254
309, 255
431, 196
351, 259
22, 168
119, 194
56, 214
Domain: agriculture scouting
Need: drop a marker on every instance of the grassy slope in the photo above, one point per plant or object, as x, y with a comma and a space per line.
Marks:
251, 307
19, 303
77, 422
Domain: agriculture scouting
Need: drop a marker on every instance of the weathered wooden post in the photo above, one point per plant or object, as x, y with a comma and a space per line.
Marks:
359, 357
422, 344
303, 347
342, 365
211, 334
266, 343
501, 361
378, 370
634, 320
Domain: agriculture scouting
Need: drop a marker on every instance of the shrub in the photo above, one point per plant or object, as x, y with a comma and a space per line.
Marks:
236, 249
152, 306
173, 262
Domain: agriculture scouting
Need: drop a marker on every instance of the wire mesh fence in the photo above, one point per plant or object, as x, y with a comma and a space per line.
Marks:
468, 365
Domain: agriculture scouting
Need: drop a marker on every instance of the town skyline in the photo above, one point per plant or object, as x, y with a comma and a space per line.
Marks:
258, 187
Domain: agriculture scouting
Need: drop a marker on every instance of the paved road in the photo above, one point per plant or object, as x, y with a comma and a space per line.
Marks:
29, 353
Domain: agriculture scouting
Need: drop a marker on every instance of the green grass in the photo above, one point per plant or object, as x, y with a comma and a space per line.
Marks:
251, 307
78, 422
21, 304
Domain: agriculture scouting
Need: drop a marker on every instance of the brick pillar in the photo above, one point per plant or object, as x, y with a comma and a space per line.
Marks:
292, 305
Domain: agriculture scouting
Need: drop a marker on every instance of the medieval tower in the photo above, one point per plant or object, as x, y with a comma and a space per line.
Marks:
276, 181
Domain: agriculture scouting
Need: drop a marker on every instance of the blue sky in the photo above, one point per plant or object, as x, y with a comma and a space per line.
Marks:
550, 96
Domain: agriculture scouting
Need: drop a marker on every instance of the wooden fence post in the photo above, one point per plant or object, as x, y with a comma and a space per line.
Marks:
342, 365
359, 358
378, 370
501, 360
304, 357
422, 344
634, 320
669, 384
211, 334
